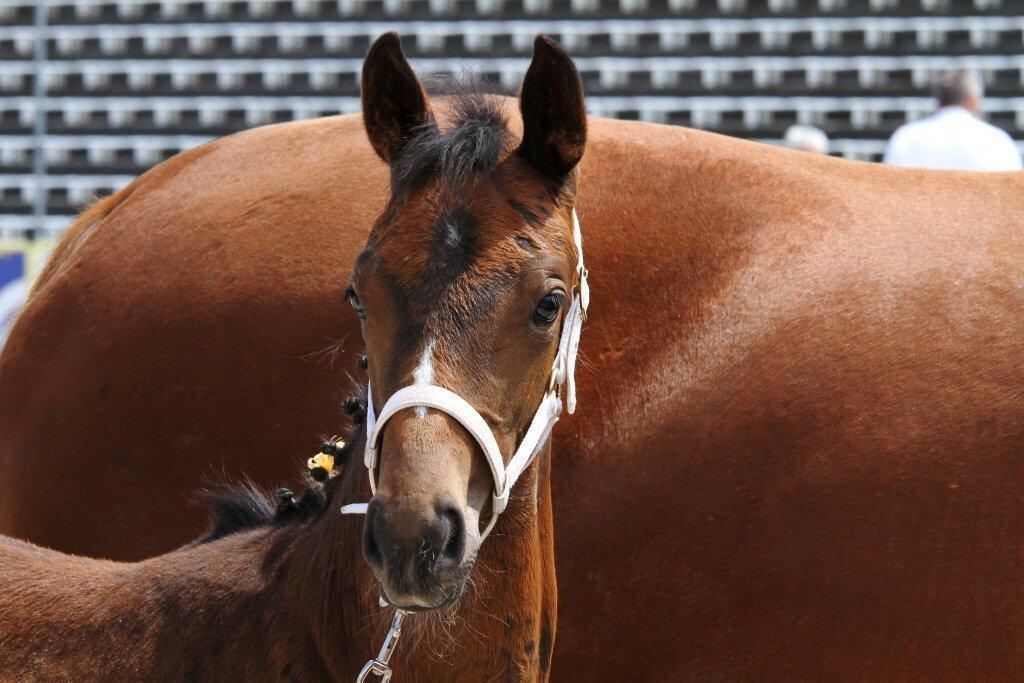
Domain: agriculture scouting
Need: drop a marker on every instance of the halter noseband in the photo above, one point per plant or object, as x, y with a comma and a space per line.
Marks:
563, 373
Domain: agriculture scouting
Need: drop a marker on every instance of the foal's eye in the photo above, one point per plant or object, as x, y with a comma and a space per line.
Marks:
547, 310
353, 299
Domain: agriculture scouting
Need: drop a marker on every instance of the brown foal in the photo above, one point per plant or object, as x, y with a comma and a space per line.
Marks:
463, 284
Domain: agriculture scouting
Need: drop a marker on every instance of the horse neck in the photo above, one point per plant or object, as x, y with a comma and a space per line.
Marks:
503, 626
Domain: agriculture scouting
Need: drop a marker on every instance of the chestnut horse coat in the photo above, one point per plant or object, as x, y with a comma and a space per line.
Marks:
799, 450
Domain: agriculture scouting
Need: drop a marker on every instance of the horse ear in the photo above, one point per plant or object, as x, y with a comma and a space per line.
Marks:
394, 104
554, 114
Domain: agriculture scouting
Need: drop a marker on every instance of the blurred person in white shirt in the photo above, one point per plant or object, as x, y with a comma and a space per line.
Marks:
806, 139
954, 137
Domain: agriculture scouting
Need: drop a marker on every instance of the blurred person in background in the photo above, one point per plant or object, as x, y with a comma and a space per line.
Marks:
806, 139
954, 137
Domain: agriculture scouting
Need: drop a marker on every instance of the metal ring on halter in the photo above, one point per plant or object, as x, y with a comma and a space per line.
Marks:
376, 667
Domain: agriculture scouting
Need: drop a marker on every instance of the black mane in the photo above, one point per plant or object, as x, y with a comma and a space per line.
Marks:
243, 506
234, 509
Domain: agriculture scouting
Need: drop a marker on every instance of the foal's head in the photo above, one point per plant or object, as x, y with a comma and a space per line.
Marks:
463, 284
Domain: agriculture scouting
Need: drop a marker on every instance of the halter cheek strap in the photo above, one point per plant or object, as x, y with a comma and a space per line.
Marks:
432, 396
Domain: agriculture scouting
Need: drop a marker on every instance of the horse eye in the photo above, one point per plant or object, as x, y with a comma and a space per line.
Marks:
353, 299
546, 312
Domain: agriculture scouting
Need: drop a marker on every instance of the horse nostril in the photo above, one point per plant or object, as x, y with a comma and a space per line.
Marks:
373, 528
452, 533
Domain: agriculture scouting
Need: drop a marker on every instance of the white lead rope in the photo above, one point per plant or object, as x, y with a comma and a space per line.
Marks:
563, 373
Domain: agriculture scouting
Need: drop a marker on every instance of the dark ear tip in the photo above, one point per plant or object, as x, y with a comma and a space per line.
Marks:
543, 44
387, 41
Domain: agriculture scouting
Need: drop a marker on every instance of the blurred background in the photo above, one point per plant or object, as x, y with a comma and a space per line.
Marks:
93, 92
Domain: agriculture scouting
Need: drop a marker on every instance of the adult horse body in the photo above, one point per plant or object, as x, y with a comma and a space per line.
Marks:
801, 423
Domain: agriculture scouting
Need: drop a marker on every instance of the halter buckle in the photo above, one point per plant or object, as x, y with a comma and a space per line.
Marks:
577, 291
553, 384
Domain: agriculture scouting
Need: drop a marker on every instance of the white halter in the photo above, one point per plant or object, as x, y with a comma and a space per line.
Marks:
431, 396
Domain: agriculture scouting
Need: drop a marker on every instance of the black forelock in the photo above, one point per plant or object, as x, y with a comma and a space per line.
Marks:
473, 144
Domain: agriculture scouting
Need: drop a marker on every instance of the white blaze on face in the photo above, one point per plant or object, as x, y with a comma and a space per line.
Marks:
424, 372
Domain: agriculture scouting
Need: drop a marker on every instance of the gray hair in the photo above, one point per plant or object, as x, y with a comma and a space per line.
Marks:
806, 139
957, 87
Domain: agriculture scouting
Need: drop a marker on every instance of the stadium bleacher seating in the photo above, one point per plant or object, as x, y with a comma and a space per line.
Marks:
127, 83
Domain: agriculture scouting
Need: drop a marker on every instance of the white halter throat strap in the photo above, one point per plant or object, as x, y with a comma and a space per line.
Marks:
432, 396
